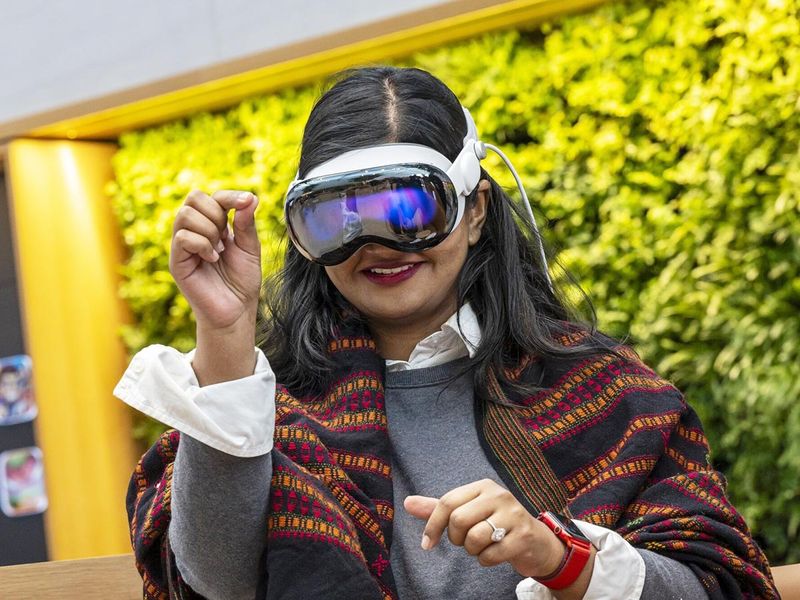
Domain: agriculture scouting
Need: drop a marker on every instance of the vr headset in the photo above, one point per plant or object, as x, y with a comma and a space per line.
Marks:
407, 197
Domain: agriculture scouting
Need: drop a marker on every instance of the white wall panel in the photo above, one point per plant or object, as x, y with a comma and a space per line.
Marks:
60, 52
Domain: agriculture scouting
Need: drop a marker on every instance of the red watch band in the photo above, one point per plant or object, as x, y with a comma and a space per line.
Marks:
579, 549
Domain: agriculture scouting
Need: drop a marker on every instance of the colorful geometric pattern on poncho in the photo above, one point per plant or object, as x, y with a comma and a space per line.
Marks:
607, 440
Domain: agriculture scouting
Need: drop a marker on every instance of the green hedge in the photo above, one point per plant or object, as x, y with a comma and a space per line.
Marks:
661, 143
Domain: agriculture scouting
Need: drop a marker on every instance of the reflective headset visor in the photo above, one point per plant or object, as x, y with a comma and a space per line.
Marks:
408, 207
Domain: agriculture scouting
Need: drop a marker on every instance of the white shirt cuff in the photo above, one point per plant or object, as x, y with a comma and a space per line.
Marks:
618, 572
236, 417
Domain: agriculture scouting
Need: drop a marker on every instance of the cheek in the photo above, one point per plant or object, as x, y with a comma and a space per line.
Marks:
350, 283
450, 255
341, 276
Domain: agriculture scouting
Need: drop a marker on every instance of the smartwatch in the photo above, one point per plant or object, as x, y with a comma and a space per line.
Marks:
579, 549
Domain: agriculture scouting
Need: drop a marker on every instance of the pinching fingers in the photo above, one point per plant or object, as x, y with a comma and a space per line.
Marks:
232, 199
203, 204
440, 518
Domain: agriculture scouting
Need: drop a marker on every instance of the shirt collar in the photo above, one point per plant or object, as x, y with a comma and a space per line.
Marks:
449, 343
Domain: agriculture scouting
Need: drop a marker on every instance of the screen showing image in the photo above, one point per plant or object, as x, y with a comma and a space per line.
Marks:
22, 482
17, 403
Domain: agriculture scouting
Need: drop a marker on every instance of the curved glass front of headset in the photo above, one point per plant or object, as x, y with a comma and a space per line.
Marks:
407, 207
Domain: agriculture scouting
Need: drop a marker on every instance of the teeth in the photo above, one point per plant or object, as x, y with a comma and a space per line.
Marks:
394, 271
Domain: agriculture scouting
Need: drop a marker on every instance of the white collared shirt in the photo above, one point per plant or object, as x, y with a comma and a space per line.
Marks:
238, 418
459, 336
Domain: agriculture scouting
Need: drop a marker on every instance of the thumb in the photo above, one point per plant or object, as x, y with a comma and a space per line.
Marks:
244, 226
420, 507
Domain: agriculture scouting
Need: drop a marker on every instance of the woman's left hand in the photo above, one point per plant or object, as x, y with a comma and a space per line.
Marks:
528, 545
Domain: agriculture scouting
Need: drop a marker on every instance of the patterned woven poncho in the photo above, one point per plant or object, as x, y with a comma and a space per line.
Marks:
608, 440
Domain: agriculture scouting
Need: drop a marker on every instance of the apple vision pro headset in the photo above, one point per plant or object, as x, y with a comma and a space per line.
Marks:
407, 197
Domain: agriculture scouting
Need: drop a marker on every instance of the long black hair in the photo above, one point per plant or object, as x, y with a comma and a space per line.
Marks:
502, 279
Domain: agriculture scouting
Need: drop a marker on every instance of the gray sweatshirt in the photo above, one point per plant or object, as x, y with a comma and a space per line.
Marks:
219, 503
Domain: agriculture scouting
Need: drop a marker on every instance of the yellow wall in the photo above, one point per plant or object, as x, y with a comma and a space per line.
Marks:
68, 252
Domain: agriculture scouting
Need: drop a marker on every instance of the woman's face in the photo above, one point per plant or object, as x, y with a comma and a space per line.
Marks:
392, 288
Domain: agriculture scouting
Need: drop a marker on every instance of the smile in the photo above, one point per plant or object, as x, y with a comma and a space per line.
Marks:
392, 271
390, 274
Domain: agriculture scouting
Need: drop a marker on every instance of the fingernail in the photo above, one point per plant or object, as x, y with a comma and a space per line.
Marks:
220, 246
245, 196
214, 256
426, 542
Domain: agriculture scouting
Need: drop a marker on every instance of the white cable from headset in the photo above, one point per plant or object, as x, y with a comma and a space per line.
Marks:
526, 202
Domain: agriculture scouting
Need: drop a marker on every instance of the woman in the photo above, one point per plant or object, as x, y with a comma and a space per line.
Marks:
430, 381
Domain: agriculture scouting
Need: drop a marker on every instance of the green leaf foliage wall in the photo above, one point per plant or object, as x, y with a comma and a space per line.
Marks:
660, 140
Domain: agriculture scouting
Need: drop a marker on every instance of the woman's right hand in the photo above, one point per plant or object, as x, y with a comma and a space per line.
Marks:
218, 270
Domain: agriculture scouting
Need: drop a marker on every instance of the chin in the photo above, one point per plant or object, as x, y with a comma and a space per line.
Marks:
395, 307
392, 313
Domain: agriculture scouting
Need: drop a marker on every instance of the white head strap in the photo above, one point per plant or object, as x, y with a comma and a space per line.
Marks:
464, 171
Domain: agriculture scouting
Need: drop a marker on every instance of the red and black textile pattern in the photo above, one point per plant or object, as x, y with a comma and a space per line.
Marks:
629, 454
607, 437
